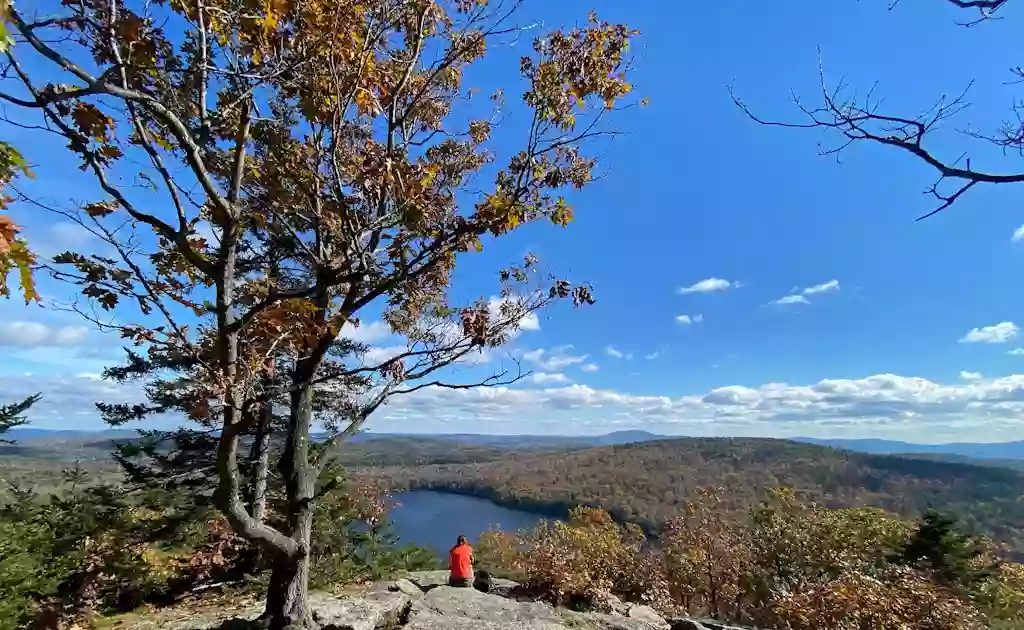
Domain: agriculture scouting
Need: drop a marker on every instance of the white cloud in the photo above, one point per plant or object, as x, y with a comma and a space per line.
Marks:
555, 359
1018, 235
615, 353
798, 295
377, 355
651, 356
34, 335
686, 320
477, 356
370, 332
709, 285
383, 344
791, 299
881, 405
366, 333
69, 336
970, 376
68, 401
529, 322
999, 333
1016, 352
544, 378
590, 367
824, 287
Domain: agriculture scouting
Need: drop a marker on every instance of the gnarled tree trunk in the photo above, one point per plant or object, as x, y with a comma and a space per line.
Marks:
288, 592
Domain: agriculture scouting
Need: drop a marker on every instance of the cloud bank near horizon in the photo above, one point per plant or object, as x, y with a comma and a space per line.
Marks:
881, 405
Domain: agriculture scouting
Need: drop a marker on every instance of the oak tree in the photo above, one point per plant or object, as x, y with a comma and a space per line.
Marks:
273, 174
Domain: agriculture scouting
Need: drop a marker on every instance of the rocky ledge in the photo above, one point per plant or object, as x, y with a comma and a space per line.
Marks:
424, 601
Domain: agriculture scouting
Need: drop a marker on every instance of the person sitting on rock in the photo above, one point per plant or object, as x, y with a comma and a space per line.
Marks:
460, 564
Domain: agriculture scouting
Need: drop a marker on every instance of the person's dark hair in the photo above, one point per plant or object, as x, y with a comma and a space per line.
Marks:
461, 540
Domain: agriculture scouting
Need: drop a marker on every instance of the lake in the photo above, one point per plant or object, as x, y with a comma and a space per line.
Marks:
435, 519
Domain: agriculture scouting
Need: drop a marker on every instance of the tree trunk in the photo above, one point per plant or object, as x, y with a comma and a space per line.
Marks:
260, 457
288, 592
261, 445
259, 462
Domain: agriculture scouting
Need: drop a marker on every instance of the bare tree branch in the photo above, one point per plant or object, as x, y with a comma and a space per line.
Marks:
856, 121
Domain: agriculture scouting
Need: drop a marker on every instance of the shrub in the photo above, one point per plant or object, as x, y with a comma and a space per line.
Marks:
71, 555
1001, 597
704, 557
503, 553
581, 562
790, 566
92, 549
854, 601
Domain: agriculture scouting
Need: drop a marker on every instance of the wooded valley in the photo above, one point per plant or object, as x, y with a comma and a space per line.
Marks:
647, 482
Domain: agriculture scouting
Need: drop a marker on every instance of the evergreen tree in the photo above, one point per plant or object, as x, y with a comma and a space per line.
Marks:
937, 545
11, 415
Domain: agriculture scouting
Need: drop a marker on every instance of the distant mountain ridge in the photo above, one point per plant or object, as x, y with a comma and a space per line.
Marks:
969, 450
972, 450
69, 445
28, 434
527, 440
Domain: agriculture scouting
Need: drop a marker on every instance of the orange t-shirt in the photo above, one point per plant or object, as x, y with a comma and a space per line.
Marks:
460, 561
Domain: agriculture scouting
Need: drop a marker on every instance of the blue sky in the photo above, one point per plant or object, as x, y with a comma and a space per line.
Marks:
881, 346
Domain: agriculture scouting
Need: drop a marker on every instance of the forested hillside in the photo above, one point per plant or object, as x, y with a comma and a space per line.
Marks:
640, 482
92, 451
647, 482
38, 463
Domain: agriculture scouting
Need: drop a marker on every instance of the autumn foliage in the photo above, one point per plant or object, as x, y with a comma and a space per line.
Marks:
619, 480
270, 175
902, 599
788, 565
15, 255
583, 560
